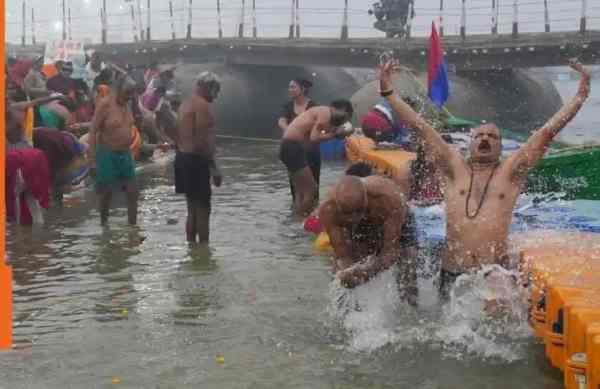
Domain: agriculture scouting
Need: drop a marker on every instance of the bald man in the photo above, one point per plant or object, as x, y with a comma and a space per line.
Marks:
110, 138
481, 191
371, 229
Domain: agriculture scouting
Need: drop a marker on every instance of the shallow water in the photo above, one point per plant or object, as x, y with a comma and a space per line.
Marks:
93, 305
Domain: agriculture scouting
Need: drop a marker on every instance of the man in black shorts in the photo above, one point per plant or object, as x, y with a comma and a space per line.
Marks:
316, 125
195, 159
371, 228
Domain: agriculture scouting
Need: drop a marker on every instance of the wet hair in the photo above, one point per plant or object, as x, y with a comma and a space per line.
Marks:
211, 81
359, 169
344, 105
304, 84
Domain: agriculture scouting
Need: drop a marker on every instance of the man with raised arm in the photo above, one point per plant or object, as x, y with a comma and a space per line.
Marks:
481, 191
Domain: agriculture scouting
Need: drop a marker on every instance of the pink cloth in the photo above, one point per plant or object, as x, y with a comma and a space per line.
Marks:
375, 121
313, 224
36, 175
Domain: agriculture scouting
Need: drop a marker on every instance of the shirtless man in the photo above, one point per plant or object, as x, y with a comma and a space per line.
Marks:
481, 191
110, 138
195, 160
371, 228
315, 125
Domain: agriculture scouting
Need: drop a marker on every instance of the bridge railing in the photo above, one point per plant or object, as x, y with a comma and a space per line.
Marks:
139, 20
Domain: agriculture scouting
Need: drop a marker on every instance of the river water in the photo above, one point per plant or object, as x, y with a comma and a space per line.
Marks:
138, 308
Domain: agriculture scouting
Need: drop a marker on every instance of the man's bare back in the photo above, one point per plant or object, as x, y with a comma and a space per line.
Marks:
365, 217
300, 129
195, 127
481, 192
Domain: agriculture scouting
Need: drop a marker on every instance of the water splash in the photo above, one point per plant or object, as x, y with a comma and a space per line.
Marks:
370, 313
486, 317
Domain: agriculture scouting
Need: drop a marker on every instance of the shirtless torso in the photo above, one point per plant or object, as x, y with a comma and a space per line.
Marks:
364, 219
481, 192
195, 131
299, 130
112, 124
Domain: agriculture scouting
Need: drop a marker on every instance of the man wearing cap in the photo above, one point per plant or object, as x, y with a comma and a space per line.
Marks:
195, 164
315, 125
110, 138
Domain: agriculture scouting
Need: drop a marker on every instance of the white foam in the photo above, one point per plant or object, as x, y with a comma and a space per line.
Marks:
373, 316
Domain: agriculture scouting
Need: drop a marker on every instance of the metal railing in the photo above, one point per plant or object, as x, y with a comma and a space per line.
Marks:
139, 20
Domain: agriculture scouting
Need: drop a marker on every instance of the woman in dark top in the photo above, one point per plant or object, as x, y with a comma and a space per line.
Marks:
298, 104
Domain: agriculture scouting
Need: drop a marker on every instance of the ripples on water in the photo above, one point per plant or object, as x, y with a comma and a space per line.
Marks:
139, 304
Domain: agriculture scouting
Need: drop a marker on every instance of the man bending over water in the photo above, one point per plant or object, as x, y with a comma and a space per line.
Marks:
316, 125
481, 191
371, 228
195, 159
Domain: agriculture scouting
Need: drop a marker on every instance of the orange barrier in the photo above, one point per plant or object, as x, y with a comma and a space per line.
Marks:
580, 324
593, 373
5, 270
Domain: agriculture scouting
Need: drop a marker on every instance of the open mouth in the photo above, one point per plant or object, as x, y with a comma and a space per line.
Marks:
485, 146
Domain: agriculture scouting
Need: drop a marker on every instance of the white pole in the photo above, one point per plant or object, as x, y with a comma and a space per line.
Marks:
515, 17
463, 20
293, 20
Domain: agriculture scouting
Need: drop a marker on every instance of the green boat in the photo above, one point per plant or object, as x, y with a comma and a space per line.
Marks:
573, 172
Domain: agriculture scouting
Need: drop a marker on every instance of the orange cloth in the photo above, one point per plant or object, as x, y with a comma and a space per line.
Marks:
49, 70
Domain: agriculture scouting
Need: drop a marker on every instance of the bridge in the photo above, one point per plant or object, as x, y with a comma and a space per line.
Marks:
465, 50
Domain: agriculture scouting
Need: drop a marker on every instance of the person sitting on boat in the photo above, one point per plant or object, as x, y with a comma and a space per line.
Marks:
382, 125
371, 228
481, 190
316, 125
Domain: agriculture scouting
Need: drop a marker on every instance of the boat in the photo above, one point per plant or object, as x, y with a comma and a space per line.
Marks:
573, 172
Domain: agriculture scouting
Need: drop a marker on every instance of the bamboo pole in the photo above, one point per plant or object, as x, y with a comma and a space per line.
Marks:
6, 325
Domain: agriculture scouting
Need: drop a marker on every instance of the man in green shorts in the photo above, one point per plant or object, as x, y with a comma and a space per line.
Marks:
110, 139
